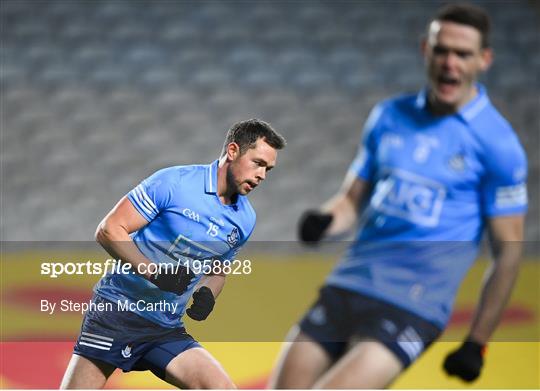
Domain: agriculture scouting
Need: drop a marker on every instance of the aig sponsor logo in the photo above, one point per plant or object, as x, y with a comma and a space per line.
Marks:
411, 197
191, 215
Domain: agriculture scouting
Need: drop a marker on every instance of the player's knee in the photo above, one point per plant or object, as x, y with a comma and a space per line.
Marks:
211, 382
199, 377
219, 381
225, 384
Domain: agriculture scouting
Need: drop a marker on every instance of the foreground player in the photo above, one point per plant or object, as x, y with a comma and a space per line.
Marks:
432, 171
175, 214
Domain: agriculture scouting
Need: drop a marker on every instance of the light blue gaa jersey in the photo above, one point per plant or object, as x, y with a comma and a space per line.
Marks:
436, 180
187, 222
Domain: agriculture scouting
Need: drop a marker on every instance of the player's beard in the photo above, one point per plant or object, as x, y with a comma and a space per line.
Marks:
233, 187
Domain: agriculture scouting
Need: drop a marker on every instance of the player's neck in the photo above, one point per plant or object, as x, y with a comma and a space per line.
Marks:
226, 193
436, 107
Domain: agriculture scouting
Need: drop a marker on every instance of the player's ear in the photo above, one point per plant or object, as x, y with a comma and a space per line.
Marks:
233, 151
423, 46
486, 59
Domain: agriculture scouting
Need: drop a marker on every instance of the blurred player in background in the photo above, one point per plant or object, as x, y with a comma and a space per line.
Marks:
433, 170
175, 214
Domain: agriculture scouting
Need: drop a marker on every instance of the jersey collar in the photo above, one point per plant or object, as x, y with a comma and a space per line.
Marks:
474, 107
210, 178
210, 183
467, 112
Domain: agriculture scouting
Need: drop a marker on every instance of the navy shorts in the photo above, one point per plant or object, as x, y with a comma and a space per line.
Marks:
340, 315
129, 341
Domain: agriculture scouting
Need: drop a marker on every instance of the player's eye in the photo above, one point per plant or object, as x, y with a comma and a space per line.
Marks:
463, 54
439, 50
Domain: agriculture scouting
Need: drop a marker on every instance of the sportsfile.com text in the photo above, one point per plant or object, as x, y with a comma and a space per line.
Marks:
117, 266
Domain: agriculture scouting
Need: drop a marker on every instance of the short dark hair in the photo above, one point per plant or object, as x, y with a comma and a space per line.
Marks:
467, 14
246, 133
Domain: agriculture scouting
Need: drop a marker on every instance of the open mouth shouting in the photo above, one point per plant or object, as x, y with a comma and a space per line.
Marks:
447, 84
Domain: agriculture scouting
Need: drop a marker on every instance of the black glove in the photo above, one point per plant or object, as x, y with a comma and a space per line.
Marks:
203, 304
465, 362
312, 226
172, 278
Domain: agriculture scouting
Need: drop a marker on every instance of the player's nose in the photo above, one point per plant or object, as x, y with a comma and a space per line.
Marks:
450, 60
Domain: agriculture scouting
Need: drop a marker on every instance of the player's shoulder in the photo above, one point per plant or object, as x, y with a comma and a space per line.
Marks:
491, 121
399, 102
494, 131
183, 171
397, 105
387, 112
191, 169
249, 214
176, 177
500, 147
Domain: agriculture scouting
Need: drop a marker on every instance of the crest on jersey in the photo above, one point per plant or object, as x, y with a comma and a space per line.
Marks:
317, 315
233, 237
457, 162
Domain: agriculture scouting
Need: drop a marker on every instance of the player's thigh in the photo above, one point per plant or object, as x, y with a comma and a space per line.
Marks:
301, 362
368, 364
196, 368
83, 372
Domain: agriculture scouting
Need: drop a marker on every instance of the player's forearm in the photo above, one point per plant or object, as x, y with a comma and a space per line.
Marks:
345, 206
215, 282
343, 213
117, 242
496, 291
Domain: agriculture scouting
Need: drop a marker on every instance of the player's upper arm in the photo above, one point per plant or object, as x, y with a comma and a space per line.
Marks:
364, 163
504, 186
141, 205
155, 193
355, 189
506, 228
504, 195
123, 216
506, 234
357, 182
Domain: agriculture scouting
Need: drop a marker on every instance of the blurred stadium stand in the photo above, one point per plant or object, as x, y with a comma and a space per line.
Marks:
97, 95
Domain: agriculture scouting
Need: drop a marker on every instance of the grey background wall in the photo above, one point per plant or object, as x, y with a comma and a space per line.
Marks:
97, 95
